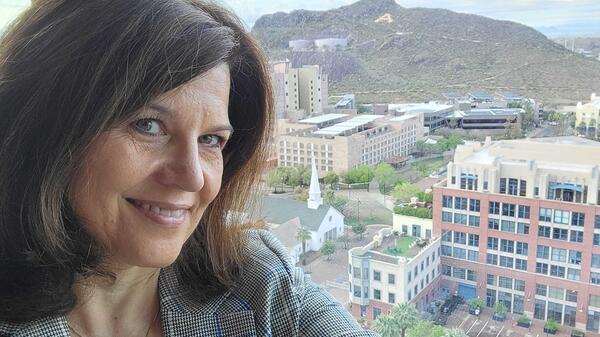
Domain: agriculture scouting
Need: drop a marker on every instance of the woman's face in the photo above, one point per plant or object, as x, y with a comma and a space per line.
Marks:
146, 183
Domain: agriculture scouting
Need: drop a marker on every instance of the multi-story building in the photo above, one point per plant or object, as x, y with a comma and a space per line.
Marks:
381, 277
519, 223
435, 115
298, 89
341, 143
588, 114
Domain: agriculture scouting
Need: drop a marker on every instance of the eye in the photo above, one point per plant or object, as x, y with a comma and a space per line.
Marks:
149, 126
212, 140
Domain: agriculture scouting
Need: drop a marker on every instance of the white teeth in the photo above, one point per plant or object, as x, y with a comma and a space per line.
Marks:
177, 213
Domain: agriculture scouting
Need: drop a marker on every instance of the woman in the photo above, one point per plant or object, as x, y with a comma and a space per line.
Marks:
132, 133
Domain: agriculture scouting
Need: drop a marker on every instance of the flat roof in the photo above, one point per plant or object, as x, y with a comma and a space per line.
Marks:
509, 94
480, 94
492, 112
322, 118
402, 118
452, 95
348, 125
425, 107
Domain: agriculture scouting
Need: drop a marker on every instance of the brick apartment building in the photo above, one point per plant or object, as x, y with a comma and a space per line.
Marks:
519, 223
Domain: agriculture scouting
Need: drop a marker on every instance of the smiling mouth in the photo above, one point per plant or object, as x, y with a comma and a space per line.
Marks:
168, 216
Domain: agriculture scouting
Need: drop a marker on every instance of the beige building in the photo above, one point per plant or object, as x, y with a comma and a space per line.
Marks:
380, 278
299, 92
589, 113
341, 142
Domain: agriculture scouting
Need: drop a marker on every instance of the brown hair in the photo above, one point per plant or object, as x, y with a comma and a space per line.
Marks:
69, 70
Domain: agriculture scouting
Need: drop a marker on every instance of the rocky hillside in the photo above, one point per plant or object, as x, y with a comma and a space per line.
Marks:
419, 53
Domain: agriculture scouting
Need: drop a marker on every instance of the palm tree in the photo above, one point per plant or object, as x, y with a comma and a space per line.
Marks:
303, 235
386, 326
405, 315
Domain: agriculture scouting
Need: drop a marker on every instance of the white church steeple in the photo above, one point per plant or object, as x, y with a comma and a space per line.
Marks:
314, 194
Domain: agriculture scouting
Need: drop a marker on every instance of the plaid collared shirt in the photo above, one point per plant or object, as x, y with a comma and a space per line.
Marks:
273, 299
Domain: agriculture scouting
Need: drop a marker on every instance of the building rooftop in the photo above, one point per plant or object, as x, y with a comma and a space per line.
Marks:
422, 107
402, 118
351, 124
481, 95
322, 118
487, 112
280, 210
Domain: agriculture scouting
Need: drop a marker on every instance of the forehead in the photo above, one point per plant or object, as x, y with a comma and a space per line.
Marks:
207, 94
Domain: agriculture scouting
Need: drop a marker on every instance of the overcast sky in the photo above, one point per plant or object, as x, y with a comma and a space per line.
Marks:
553, 17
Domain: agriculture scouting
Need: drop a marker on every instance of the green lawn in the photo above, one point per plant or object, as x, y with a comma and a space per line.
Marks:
401, 248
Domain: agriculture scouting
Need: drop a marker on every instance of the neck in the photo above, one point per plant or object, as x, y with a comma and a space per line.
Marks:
127, 306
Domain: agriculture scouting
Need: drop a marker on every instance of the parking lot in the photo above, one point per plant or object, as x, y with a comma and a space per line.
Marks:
484, 326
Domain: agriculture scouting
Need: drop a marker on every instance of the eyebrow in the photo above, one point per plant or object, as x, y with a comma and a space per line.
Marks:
168, 111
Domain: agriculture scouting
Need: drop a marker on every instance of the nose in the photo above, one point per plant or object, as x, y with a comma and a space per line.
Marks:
183, 168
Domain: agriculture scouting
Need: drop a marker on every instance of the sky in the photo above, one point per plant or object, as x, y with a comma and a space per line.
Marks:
551, 17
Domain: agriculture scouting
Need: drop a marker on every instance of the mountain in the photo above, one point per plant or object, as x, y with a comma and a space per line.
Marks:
421, 53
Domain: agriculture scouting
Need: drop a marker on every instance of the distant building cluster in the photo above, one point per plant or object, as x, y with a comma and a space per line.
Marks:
318, 44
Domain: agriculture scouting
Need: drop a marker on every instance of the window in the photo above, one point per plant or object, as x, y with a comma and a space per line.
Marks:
447, 201
507, 246
471, 276
545, 214
575, 257
556, 293
557, 271
409, 276
595, 278
446, 236
507, 226
357, 291
522, 228
460, 237
502, 189
459, 273
491, 259
376, 294
491, 279
513, 185
473, 221
596, 239
555, 311
521, 264
576, 236
474, 205
446, 251
522, 248
473, 255
597, 221
493, 224
391, 279
519, 285
524, 212
561, 217
474, 240
391, 298
595, 260
494, 207
508, 209
460, 203
544, 231
492, 243
540, 310
541, 268
506, 262
573, 274
446, 270
377, 311
522, 188
577, 219
447, 217
559, 255
594, 301
543, 252
560, 234
540, 289
505, 282
459, 253
376, 275
460, 219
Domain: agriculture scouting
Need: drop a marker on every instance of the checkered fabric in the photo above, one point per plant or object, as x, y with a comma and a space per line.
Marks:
273, 299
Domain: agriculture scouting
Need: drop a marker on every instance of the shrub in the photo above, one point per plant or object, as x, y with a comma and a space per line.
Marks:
423, 213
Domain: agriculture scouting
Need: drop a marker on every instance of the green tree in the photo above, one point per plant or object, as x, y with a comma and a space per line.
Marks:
422, 169
331, 179
386, 177
344, 239
327, 249
303, 235
426, 197
405, 191
275, 178
359, 229
386, 326
425, 328
453, 123
329, 197
361, 174
405, 315
420, 146
475, 303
